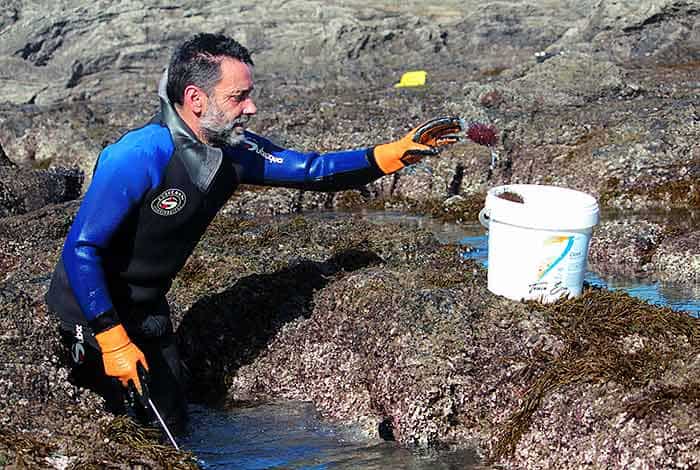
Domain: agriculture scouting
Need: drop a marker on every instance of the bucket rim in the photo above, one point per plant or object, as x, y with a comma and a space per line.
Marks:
545, 207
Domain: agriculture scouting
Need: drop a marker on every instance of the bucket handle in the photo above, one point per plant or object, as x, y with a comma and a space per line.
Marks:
484, 217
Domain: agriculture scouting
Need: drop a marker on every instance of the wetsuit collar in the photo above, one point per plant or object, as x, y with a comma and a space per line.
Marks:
202, 161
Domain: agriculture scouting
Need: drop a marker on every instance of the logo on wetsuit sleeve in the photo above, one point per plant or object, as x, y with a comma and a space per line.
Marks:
254, 147
170, 202
77, 353
77, 350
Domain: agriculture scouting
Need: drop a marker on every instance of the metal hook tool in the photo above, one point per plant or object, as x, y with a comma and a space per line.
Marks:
162, 423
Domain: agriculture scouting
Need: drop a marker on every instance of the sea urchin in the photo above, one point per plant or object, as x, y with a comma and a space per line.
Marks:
482, 134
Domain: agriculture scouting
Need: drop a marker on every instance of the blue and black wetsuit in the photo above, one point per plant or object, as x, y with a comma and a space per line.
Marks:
152, 196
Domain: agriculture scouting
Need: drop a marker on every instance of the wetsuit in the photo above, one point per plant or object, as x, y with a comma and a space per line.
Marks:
152, 196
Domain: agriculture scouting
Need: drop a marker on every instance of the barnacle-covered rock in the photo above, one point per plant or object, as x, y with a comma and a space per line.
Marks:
24, 190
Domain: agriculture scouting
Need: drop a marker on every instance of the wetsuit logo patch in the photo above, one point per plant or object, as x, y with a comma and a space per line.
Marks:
170, 202
77, 352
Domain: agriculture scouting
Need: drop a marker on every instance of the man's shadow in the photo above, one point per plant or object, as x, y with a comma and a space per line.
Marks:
222, 332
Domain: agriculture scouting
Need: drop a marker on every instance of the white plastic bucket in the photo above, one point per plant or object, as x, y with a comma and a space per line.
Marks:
538, 249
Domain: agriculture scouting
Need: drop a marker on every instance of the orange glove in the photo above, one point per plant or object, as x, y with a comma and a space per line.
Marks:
121, 356
425, 139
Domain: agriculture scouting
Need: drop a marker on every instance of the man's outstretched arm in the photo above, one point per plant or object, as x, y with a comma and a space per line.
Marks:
263, 162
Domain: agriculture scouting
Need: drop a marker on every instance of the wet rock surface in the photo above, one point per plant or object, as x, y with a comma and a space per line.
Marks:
661, 245
47, 422
380, 326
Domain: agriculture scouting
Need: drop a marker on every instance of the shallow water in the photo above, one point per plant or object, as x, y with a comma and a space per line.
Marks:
292, 436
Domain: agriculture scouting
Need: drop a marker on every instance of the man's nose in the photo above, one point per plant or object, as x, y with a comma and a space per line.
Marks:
250, 107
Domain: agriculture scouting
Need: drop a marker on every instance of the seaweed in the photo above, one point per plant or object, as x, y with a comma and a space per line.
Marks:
663, 399
591, 327
683, 194
24, 448
511, 196
124, 431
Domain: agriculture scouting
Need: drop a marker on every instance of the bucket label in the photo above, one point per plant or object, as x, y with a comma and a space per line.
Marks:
554, 244
534, 264
561, 266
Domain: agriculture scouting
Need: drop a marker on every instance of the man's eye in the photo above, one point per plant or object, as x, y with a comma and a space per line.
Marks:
240, 97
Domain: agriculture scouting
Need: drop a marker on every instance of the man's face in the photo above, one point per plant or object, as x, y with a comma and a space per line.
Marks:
229, 105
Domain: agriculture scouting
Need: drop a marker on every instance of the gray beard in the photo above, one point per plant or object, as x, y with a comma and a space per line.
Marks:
220, 133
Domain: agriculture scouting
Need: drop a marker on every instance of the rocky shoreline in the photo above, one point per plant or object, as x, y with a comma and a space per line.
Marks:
379, 324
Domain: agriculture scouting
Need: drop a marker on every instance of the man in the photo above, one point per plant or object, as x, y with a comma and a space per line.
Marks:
152, 196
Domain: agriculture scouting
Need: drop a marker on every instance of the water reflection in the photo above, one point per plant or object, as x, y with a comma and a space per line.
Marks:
675, 296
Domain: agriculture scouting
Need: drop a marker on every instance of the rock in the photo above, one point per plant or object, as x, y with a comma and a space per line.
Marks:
68, 135
263, 202
4, 159
71, 50
569, 80
677, 259
634, 247
376, 324
625, 247
664, 31
46, 415
23, 190
351, 54
415, 345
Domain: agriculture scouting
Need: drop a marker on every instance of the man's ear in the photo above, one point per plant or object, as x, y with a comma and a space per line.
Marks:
195, 99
